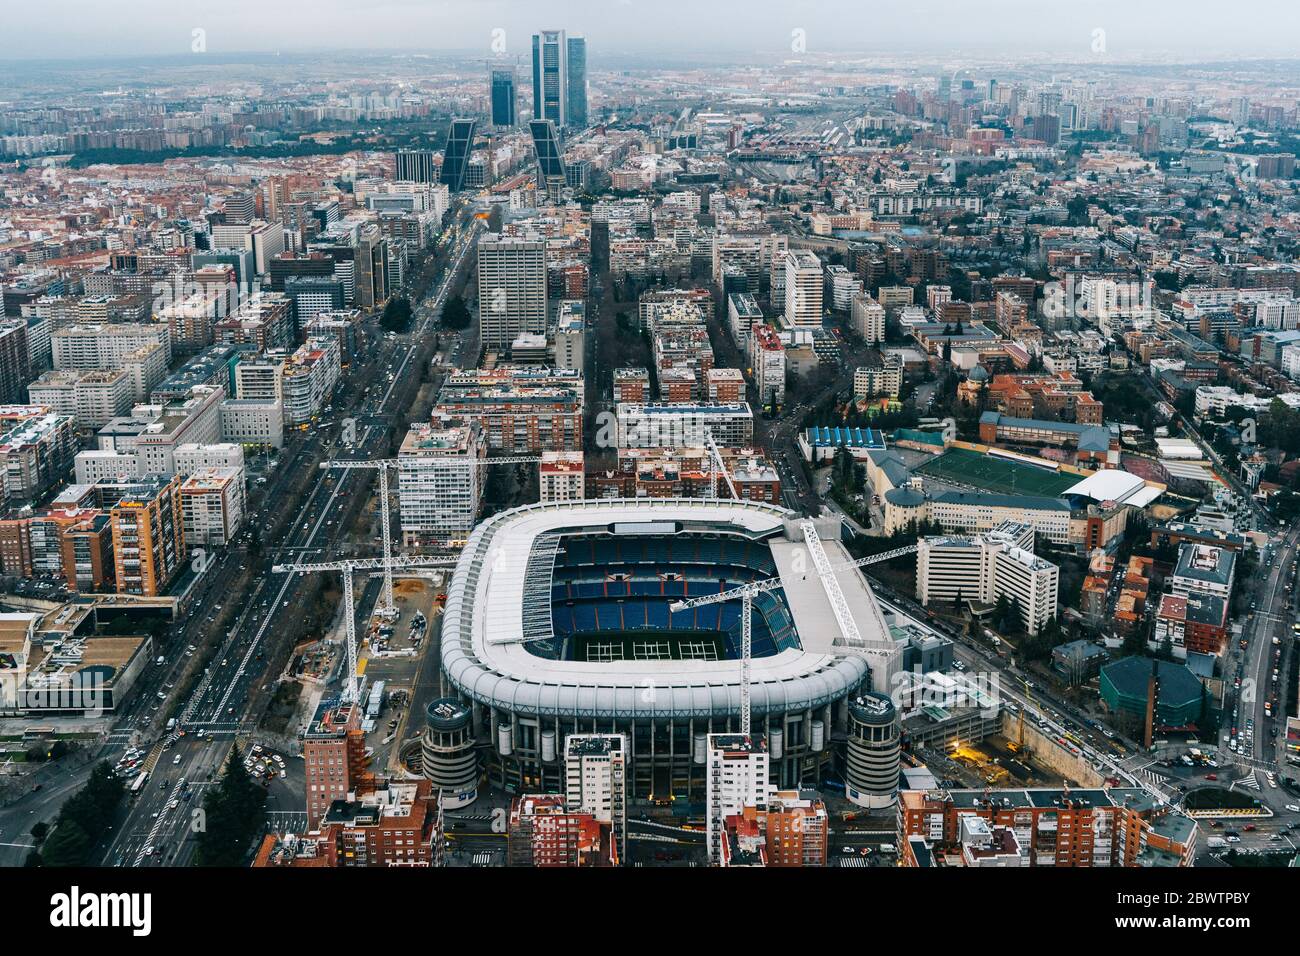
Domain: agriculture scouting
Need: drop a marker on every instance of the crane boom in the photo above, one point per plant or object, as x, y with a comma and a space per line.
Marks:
413, 463
769, 584
352, 688
717, 466
746, 594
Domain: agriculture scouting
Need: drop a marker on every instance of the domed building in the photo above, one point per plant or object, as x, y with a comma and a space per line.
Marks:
977, 380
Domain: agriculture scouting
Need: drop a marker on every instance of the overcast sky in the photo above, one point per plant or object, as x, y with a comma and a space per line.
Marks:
1191, 29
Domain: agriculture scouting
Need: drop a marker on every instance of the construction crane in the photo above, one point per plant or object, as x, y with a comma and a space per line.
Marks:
746, 594
348, 567
386, 607
717, 465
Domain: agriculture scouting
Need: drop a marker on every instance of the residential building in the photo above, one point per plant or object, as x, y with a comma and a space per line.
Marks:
595, 782
440, 483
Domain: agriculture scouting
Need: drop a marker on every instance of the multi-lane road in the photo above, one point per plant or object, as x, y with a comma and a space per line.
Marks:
227, 700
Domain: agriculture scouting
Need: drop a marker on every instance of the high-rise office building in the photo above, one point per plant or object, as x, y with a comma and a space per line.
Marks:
502, 87
414, 166
455, 158
550, 156
576, 81
551, 76
511, 289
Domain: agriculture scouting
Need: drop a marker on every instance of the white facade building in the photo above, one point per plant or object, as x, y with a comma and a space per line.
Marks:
595, 781
213, 505
439, 494
561, 476
803, 289
737, 778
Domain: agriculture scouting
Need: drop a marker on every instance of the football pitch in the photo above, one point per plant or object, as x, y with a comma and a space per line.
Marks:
960, 466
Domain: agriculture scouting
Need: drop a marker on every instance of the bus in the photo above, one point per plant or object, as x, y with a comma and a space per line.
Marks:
138, 783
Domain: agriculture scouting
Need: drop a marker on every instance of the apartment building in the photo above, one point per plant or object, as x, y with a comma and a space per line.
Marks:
983, 568
767, 358
90, 398
561, 476
148, 535
15, 359
803, 289
595, 782
253, 422
674, 424
309, 378
397, 824
213, 505
545, 832
524, 411
334, 757
107, 346
737, 778
882, 376
1203, 569
196, 421
36, 451
440, 483
1052, 827
868, 318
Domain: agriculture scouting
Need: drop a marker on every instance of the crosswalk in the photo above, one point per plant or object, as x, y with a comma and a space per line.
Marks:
286, 821
151, 760
852, 861
1149, 775
1250, 782
482, 859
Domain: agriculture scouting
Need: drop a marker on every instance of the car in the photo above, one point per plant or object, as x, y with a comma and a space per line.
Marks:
1292, 808
176, 760
1250, 828
1211, 776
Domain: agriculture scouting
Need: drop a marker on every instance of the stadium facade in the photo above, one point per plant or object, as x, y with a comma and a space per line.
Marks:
558, 621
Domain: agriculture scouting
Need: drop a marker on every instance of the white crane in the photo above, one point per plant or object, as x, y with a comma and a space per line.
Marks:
349, 610
746, 593
386, 607
718, 465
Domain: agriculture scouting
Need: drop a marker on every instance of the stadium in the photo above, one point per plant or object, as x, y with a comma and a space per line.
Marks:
558, 621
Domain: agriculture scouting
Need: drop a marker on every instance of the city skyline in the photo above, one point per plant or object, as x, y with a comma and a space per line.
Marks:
83, 28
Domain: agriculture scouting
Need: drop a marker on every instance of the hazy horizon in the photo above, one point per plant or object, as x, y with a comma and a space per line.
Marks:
1194, 30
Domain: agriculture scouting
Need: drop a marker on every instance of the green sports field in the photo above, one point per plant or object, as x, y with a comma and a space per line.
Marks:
960, 466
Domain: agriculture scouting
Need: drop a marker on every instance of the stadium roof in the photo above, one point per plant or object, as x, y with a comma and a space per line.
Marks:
483, 624
1111, 484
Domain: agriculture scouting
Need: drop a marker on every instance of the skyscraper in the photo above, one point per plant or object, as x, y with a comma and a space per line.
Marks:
504, 111
511, 288
550, 76
414, 166
576, 107
455, 158
550, 156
